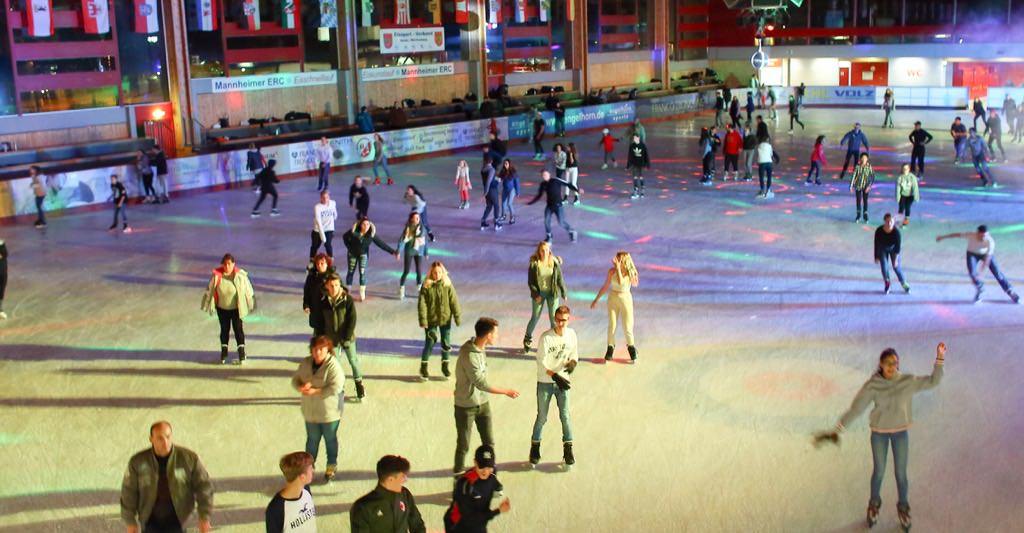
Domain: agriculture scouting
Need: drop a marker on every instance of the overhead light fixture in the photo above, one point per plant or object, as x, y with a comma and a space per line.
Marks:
158, 114
942, 36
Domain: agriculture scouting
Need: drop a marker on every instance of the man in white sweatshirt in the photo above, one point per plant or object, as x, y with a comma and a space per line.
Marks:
324, 214
557, 356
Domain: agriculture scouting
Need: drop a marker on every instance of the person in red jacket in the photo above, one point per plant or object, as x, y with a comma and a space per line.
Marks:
607, 144
733, 144
817, 161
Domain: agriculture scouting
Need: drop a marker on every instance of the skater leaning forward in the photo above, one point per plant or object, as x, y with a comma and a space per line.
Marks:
981, 248
437, 308
470, 510
891, 393
229, 294
557, 356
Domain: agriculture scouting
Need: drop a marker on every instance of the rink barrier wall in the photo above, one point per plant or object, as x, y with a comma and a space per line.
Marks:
90, 189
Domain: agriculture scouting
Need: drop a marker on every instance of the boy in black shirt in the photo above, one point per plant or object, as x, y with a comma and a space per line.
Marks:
120, 197
918, 139
553, 188
470, 510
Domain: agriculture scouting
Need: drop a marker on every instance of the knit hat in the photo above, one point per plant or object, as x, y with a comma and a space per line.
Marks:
485, 456
605, 131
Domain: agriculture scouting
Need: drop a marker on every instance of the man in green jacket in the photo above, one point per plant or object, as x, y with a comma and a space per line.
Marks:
340, 326
163, 485
471, 389
438, 306
389, 508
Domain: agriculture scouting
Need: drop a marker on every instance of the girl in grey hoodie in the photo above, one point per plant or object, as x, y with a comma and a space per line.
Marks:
891, 393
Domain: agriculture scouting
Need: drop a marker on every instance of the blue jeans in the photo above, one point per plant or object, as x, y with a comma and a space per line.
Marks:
353, 359
423, 219
544, 393
981, 166
323, 176
381, 163
432, 335
763, 170
893, 258
353, 262
329, 432
815, 170
560, 214
993, 267
879, 452
508, 203
538, 307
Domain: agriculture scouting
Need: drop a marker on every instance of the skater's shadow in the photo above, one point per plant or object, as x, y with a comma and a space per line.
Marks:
143, 403
220, 373
856, 526
39, 352
524, 466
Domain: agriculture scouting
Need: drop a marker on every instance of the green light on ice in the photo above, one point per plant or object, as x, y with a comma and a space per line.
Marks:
738, 203
595, 209
733, 256
582, 296
600, 235
969, 192
1003, 230
191, 221
441, 252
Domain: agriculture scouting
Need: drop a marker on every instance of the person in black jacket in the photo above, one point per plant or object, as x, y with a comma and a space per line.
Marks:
919, 138
794, 114
734, 111
266, 180
979, 112
887, 250
339, 325
359, 198
492, 195
254, 163
390, 507
357, 244
159, 160
637, 161
552, 187
470, 510
497, 149
719, 109
120, 197
995, 133
3, 277
313, 291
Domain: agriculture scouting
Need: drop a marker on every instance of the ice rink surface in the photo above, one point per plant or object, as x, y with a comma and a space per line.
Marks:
757, 321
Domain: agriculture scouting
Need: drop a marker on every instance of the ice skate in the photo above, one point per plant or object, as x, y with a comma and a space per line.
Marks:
903, 511
360, 390
534, 454
527, 342
635, 195
241, 353
886, 289
497, 227
483, 226
3, 315
112, 227
632, 354
609, 353
567, 458
573, 236
254, 214
872, 517
424, 374
604, 166
329, 474
445, 371
906, 288
401, 292
362, 293
977, 294
1014, 297
126, 229
769, 194
275, 213
223, 354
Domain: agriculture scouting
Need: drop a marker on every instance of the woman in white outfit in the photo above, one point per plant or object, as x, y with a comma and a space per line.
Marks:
621, 278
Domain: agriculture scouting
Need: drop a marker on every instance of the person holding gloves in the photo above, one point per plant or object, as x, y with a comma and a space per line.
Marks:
321, 381
557, 356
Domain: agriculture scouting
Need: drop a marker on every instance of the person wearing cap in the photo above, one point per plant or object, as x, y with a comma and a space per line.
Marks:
471, 389
853, 140
470, 510
390, 507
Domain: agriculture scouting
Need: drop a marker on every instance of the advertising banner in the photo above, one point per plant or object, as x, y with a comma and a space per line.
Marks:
667, 106
840, 96
576, 118
273, 81
410, 71
411, 40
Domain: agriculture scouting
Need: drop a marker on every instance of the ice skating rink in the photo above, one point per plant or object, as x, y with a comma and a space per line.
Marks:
756, 324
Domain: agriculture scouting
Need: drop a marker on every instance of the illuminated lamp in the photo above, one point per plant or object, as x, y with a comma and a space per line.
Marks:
158, 114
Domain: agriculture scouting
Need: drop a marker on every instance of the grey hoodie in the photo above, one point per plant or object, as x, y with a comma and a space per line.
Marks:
471, 385
892, 399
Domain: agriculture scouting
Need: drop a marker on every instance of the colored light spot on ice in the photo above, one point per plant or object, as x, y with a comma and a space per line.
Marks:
191, 221
1002, 230
441, 252
735, 256
662, 268
585, 296
735, 213
596, 209
738, 203
643, 240
600, 235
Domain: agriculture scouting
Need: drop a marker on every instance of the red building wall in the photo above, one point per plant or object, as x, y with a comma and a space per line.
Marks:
878, 77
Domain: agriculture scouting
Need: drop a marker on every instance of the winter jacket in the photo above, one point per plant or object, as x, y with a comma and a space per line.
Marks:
977, 146
254, 161
709, 145
365, 122
187, 480
863, 177
339, 318
818, 154
733, 143
750, 104
608, 142
312, 293
438, 304
358, 244
383, 511
638, 157
750, 141
414, 244
892, 399
492, 185
560, 158
326, 406
246, 298
359, 197
719, 103
553, 189
267, 178
470, 510
906, 185
855, 138
557, 282
471, 387
734, 108
416, 202
886, 242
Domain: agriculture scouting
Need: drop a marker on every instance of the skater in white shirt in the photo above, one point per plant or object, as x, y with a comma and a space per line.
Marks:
557, 357
325, 213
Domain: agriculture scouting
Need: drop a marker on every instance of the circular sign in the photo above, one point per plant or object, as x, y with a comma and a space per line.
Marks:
759, 60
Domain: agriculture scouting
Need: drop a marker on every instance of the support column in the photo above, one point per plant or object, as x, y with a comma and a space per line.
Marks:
179, 74
473, 43
349, 95
659, 18
579, 57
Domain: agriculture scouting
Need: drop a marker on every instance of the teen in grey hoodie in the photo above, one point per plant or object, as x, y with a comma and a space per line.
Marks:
891, 393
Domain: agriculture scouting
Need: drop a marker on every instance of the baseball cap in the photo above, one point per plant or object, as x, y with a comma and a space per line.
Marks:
485, 456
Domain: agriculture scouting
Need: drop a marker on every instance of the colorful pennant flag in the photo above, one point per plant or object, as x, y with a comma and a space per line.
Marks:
146, 20
545, 7
39, 18
402, 12
288, 15
95, 17
520, 11
461, 11
250, 15
205, 13
328, 14
570, 9
494, 11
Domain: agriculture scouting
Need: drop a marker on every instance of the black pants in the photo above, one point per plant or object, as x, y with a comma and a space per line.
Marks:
732, 160
905, 203
40, 217
707, 165
493, 204
795, 117
538, 148
983, 120
316, 242
998, 139
764, 176
3, 281
147, 184
266, 190
850, 154
229, 319
862, 199
409, 259
917, 160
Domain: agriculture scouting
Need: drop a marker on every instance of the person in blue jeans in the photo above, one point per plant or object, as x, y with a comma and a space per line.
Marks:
891, 393
546, 286
320, 380
552, 189
380, 158
981, 249
509, 178
979, 154
557, 356
854, 141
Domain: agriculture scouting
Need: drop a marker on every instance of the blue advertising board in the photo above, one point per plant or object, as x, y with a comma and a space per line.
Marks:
840, 96
576, 118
